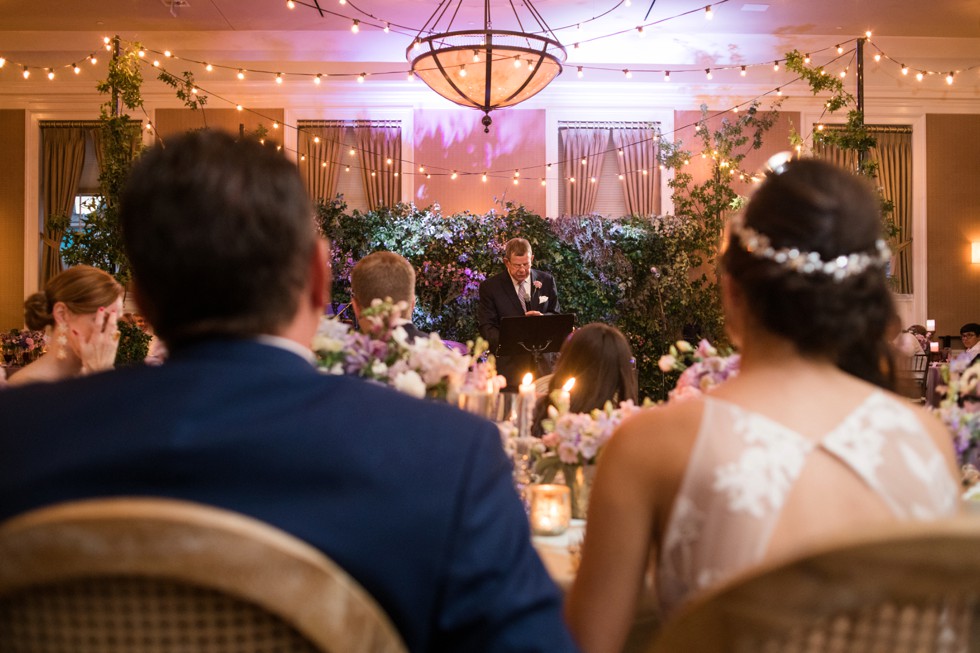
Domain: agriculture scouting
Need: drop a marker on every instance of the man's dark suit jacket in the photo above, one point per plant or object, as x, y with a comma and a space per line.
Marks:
498, 299
413, 498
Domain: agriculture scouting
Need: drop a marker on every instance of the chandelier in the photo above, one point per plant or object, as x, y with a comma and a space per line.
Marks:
486, 69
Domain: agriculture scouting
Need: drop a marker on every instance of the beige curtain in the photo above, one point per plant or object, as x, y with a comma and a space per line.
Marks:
380, 153
321, 167
639, 148
576, 144
63, 158
893, 154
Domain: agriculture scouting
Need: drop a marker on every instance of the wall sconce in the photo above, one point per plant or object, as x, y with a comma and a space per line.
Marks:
975, 251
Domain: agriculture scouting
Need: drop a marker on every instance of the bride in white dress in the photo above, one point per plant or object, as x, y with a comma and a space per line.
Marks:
806, 442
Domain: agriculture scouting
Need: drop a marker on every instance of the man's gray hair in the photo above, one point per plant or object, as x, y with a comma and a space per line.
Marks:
516, 247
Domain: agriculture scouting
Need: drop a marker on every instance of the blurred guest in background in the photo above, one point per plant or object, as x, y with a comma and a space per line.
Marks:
78, 310
968, 336
600, 360
804, 443
385, 275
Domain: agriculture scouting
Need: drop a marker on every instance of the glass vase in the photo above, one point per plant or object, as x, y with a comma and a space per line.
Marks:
579, 479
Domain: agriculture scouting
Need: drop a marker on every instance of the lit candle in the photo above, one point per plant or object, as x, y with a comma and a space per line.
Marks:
934, 347
565, 398
526, 398
551, 509
930, 325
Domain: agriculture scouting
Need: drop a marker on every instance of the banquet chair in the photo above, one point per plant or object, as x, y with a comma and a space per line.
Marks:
897, 589
144, 574
910, 375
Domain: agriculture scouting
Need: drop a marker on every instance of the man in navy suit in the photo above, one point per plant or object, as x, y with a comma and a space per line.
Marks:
385, 275
520, 290
413, 498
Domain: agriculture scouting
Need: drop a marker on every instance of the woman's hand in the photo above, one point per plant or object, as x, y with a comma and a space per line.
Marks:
98, 351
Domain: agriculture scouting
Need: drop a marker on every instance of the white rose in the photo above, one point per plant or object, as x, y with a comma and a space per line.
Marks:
684, 346
666, 363
410, 383
379, 369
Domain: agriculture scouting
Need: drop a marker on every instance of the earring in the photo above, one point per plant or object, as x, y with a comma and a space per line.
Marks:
62, 341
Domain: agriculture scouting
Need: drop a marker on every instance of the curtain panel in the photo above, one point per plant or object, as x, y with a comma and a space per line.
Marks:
576, 145
639, 153
380, 154
322, 163
893, 154
62, 162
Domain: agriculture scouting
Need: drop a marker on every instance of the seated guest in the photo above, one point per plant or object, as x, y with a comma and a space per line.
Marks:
384, 275
968, 336
907, 342
600, 360
517, 291
803, 444
78, 311
413, 498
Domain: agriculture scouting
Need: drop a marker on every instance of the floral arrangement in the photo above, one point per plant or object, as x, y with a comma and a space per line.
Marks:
960, 409
574, 439
701, 367
424, 367
22, 346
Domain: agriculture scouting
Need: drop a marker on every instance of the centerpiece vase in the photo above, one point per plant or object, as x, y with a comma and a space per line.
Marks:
579, 479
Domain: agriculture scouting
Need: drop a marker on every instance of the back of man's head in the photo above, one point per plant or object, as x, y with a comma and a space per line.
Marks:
381, 275
219, 234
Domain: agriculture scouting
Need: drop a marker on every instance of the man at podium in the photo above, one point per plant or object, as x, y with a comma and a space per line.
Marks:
518, 291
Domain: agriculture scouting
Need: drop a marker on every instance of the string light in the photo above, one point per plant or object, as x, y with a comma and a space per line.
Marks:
387, 27
585, 161
27, 73
639, 30
517, 62
156, 63
290, 4
743, 71
316, 139
167, 54
93, 59
581, 73
318, 79
708, 14
484, 178
454, 175
411, 76
275, 124
707, 73
840, 50
241, 74
517, 173
51, 74
476, 56
239, 107
905, 69
666, 75
806, 58
3, 62
629, 75
462, 70
74, 68
141, 53
843, 73
208, 67
919, 76
356, 27
949, 78
543, 182
775, 66
278, 78
360, 78
351, 151
877, 57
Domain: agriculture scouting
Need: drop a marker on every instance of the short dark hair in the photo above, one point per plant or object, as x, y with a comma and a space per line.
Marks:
971, 327
219, 234
381, 275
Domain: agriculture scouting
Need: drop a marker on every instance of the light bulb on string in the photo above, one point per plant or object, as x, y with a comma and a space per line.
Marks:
318, 79
639, 30
454, 175
707, 73
208, 67
877, 57
743, 71
843, 73
316, 139
949, 78
708, 13
581, 72
387, 28
241, 74
51, 74
905, 69
627, 73
806, 58
462, 70
3, 62
361, 77
167, 54
278, 78
530, 64
543, 182
592, 180
775, 66
93, 59
517, 61
389, 161
517, 173
483, 178
239, 107
476, 56
76, 69
356, 26
26, 73
585, 161
666, 75
275, 124
919, 76
156, 63
517, 182
351, 151
840, 50
141, 53
411, 76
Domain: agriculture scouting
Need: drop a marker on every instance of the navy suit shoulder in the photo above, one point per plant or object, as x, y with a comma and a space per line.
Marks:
413, 498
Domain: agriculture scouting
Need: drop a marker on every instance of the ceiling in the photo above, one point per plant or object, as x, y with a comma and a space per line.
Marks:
938, 35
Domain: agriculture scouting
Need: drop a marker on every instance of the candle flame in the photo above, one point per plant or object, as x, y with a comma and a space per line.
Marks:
528, 379
569, 384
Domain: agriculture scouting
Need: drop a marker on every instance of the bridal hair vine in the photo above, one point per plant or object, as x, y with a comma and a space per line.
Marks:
803, 262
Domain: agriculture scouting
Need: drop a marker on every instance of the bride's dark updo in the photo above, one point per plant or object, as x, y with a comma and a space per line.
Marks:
82, 288
835, 307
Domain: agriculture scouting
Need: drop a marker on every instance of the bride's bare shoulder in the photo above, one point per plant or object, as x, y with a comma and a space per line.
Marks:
661, 432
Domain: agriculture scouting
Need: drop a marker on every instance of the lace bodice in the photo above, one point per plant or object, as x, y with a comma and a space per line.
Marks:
743, 466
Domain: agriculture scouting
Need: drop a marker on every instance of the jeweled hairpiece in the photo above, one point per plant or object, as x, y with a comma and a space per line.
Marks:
803, 262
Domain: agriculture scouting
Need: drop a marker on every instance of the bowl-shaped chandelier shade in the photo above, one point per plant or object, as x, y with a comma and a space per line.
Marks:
486, 69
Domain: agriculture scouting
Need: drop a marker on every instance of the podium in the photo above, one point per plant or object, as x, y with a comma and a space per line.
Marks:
534, 334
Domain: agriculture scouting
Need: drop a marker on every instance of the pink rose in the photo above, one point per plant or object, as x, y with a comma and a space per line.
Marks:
537, 284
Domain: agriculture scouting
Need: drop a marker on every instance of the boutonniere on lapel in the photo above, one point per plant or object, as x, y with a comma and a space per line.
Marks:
537, 284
